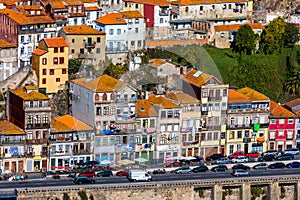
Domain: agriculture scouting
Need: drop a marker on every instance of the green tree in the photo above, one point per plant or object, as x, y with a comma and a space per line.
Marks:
116, 71
74, 65
272, 37
291, 35
246, 40
292, 85
83, 195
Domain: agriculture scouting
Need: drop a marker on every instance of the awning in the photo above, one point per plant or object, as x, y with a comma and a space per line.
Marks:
260, 140
37, 158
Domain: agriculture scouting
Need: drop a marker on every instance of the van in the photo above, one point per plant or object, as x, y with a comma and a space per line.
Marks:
139, 175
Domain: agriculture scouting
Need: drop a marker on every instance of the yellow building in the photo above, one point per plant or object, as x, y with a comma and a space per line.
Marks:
50, 62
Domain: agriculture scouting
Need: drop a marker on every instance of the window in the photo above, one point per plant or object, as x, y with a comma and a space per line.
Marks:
111, 31
231, 148
40, 103
57, 80
247, 134
118, 31
136, 6
55, 60
176, 114
62, 49
64, 71
55, 49
44, 71
51, 71
45, 119
144, 139
163, 114
98, 111
231, 135
281, 121
272, 134
280, 133
132, 43
136, 30
170, 113
290, 134
239, 134
44, 61
105, 110
209, 136
97, 50
290, 121
203, 136
72, 50
161, 20
224, 92
43, 81
73, 40
61, 60
139, 43
98, 39
216, 136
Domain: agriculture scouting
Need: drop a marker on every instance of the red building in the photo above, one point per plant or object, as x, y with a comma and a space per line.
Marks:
282, 124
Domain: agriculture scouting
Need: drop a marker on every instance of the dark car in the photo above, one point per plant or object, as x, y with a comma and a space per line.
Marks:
88, 173
159, 171
295, 164
105, 173
219, 168
240, 172
83, 179
267, 158
214, 157
270, 152
261, 166
200, 169
122, 173
277, 165
285, 157
240, 166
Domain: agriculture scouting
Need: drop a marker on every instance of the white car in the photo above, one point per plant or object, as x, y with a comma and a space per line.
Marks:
240, 159
294, 151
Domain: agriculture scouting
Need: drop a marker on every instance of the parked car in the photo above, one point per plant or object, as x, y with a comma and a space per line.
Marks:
240, 172
215, 156
240, 159
295, 164
240, 166
268, 157
219, 168
253, 154
200, 169
285, 157
261, 166
122, 173
223, 161
105, 173
183, 170
159, 171
277, 165
270, 152
88, 173
83, 179
236, 154
294, 151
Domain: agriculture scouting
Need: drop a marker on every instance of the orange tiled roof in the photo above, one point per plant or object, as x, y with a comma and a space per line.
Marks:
235, 27
73, 123
73, 3
236, 97
104, 83
279, 111
58, 5
293, 103
157, 62
81, 30
162, 102
195, 2
56, 42
132, 14
169, 43
58, 126
8, 128
4, 44
182, 97
92, 8
253, 94
150, 2
33, 95
145, 109
111, 18
196, 77
39, 52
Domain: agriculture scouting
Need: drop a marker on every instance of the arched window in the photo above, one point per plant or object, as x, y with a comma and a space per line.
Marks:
112, 96
104, 98
97, 97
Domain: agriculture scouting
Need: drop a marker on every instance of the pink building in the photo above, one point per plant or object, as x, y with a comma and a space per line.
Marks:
282, 124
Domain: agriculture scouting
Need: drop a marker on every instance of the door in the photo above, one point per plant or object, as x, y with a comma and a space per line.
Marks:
246, 147
13, 167
20, 166
279, 148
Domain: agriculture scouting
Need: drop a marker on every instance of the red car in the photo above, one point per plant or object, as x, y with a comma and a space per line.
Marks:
88, 173
236, 154
254, 154
122, 173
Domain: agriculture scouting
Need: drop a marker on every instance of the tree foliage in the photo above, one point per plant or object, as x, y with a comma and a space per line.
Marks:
116, 71
291, 35
256, 191
246, 40
74, 65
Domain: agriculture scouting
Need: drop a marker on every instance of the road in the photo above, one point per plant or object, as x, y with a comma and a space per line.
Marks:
156, 178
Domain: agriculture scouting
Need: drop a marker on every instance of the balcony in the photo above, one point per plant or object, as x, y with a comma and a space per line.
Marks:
13, 142
238, 126
44, 154
45, 107
39, 30
90, 44
132, 99
37, 141
38, 126
116, 50
125, 131
213, 128
81, 151
214, 98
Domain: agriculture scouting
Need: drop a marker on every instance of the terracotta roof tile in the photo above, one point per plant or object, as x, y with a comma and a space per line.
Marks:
169, 43
4, 44
111, 18
74, 124
58, 5
104, 83
8, 128
253, 94
73, 3
132, 14
56, 42
32, 95
92, 8
195, 2
150, 2
277, 110
293, 103
58, 126
39, 52
182, 97
162, 102
157, 62
81, 30
197, 78
235, 27
144, 108
236, 97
